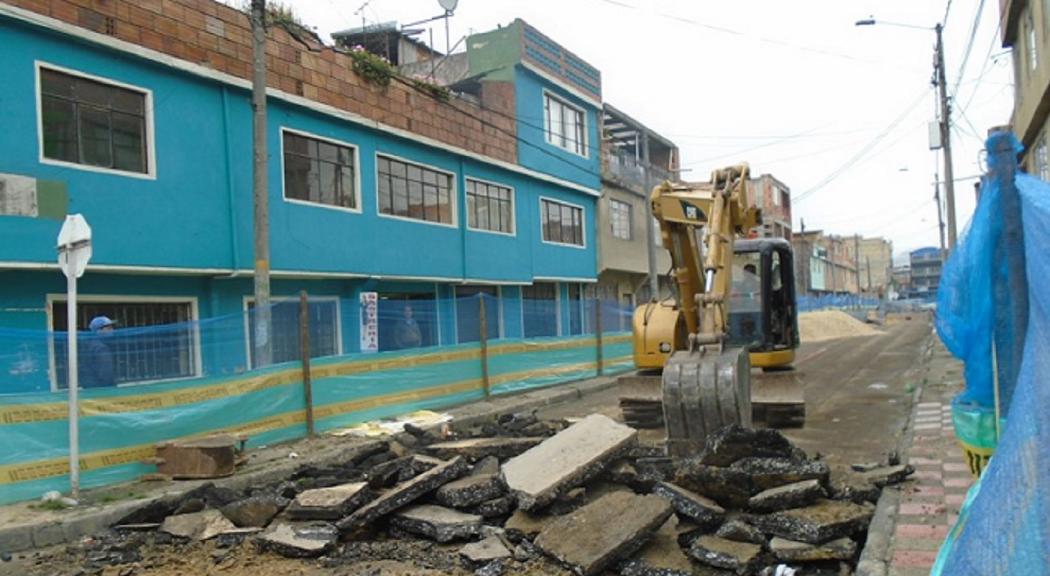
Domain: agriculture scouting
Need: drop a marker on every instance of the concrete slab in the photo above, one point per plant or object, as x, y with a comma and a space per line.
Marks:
701, 510
470, 490
491, 548
604, 532
330, 503
197, 526
437, 522
815, 524
791, 551
740, 557
661, 556
298, 541
405, 493
474, 449
566, 460
787, 496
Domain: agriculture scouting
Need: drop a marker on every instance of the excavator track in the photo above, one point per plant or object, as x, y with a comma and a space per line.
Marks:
702, 392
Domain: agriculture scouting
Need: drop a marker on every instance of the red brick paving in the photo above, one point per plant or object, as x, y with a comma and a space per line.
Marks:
920, 531
914, 558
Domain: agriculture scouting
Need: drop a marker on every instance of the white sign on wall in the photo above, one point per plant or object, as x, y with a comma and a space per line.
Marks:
369, 322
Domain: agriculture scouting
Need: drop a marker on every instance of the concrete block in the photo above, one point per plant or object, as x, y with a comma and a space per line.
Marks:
703, 511
661, 555
474, 449
470, 490
566, 460
437, 522
604, 532
330, 503
787, 496
405, 493
815, 524
298, 541
791, 551
740, 557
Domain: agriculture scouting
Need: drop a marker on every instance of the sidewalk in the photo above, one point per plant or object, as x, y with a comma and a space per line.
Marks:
930, 504
24, 527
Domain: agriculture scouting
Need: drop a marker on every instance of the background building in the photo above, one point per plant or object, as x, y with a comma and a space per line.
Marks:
925, 265
774, 198
1026, 31
825, 263
876, 264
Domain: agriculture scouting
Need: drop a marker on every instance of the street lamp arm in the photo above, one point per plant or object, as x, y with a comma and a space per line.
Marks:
872, 21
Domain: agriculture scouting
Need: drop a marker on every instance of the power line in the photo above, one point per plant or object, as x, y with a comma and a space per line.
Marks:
947, 10
969, 46
863, 151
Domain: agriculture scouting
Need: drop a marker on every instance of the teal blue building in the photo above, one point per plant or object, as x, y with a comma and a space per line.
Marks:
150, 140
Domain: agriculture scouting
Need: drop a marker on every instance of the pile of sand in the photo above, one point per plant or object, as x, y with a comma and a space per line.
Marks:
832, 324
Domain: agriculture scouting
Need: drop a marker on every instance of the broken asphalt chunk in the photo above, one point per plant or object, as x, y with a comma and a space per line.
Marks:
437, 522
766, 473
740, 531
787, 496
740, 557
197, 525
474, 449
730, 488
604, 532
298, 541
888, 475
469, 491
660, 556
566, 460
817, 523
496, 507
791, 551
699, 509
330, 503
731, 443
482, 551
404, 494
253, 512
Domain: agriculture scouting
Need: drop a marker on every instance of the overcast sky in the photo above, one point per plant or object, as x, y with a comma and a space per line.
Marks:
837, 112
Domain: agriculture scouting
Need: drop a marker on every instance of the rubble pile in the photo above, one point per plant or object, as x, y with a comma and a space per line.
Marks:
521, 496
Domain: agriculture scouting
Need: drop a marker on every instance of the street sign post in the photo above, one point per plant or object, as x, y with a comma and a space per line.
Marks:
74, 252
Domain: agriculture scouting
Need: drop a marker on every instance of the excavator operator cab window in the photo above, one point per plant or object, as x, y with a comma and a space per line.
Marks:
761, 306
745, 300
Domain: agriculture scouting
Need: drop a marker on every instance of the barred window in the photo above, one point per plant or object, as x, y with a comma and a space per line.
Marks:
412, 191
620, 219
93, 123
490, 207
284, 329
562, 223
319, 171
163, 353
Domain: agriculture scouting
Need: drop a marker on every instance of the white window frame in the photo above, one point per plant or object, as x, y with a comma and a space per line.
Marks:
548, 132
151, 145
453, 191
357, 171
246, 300
583, 223
198, 365
513, 206
630, 219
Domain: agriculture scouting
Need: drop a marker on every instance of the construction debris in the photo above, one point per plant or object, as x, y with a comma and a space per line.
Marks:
585, 500
209, 457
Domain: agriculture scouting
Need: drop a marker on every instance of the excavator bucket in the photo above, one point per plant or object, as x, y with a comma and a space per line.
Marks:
702, 392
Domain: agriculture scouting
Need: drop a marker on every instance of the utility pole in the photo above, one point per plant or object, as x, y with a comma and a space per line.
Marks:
260, 188
946, 141
654, 281
940, 217
806, 263
856, 263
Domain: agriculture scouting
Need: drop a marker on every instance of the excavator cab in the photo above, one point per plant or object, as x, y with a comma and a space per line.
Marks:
763, 316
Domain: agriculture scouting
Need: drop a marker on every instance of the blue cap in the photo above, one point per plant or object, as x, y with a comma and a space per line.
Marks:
100, 322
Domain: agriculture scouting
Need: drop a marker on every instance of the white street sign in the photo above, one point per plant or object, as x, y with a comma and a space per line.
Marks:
369, 322
75, 235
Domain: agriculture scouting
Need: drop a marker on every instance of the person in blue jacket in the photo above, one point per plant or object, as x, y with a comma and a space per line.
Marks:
96, 365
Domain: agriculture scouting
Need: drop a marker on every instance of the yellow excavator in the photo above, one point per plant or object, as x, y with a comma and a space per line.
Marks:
734, 310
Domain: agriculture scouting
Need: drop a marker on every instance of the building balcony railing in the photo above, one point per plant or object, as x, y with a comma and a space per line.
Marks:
631, 172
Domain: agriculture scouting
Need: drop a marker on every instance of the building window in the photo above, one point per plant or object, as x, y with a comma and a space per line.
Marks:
620, 219
1042, 162
575, 309
408, 320
284, 329
468, 313
93, 123
1033, 48
565, 125
163, 345
319, 171
539, 309
412, 191
490, 207
562, 223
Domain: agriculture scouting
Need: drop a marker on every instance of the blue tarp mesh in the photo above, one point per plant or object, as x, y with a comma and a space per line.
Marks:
1004, 527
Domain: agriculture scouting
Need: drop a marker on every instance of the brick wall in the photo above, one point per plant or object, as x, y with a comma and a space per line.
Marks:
217, 36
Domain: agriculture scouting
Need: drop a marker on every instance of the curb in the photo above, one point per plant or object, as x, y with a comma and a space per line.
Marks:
80, 523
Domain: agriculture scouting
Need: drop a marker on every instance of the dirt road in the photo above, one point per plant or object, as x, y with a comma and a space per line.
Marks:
858, 393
